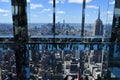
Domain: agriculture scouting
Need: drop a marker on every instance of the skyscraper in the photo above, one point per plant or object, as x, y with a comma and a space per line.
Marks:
98, 26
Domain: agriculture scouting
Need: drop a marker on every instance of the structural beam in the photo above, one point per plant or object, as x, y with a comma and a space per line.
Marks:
20, 38
83, 17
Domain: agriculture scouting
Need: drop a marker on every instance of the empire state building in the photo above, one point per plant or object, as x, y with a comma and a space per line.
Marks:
98, 26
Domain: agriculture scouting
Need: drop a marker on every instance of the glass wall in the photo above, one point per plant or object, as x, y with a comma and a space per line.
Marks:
114, 66
75, 57
109, 21
99, 17
6, 28
68, 18
40, 17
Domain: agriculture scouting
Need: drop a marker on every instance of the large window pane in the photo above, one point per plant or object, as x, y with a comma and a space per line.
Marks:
40, 17
6, 28
68, 17
99, 18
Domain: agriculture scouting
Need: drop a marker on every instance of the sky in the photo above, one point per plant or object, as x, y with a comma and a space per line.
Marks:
40, 11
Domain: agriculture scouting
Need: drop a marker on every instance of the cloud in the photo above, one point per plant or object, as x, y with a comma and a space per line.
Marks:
92, 7
5, 14
60, 12
34, 6
28, 1
87, 15
3, 11
109, 12
34, 15
4, 0
45, 10
111, 3
62, 1
9, 1
57, 1
51, 1
78, 1
51, 16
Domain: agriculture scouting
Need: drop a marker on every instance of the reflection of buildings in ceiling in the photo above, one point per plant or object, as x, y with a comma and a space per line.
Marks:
61, 46
60, 38
65, 42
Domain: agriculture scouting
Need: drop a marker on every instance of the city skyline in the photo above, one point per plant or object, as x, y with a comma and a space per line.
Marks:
68, 10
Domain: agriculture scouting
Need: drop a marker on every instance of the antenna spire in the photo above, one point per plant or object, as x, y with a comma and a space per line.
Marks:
99, 13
